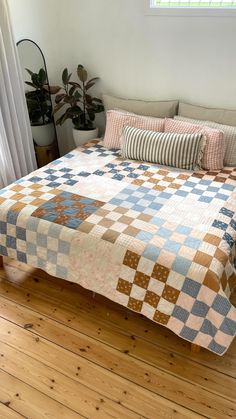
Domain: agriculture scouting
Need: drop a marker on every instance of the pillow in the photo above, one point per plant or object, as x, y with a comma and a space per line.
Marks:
157, 109
222, 116
229, 138
214, 151
116, 120
183, 151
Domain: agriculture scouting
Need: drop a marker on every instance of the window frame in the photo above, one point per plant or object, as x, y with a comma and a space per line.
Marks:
188, 11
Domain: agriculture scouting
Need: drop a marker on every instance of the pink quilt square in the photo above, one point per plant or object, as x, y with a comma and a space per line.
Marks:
175, 325
185, 301
194, 322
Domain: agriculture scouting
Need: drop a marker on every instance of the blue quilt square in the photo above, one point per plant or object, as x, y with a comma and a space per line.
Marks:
164, 232
206, 199
12, 217
49, 171
227, 212
220, 225
11, 242
191, 287
221, 305
228, 326
172, 246
157, 221
99, 173
67, 176
197, 191
71, 182
181, 265
87, 151
222, 196
144, 236
227, 187
208, 328
227, 237
151, 252
132, 175
180, 313
233, 224
20, 233
118, 176
188, 333
3, 250
53, 184
155, 206
183, 230
138, 208
216, 347
3, 227
35, 179
51, 177
192, 242
200, 309
65, 170
21, 257
181, 193
84, 174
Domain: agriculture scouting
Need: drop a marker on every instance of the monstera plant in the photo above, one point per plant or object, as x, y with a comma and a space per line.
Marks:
78, 104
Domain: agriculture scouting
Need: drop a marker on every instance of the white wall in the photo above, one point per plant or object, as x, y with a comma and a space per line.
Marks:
135, 55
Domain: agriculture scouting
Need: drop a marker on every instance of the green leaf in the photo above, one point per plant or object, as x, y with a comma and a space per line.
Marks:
91, 114
42, 77
89, 85
77, 95
95, 99
73, 83
94, 79
89, 99
59, 97
72, 90
65, 76
82, 73
29, 71
35, 80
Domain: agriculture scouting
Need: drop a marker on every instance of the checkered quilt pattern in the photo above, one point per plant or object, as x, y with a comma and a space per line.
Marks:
159, 241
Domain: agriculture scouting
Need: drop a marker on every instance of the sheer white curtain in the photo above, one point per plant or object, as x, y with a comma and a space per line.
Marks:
17, 157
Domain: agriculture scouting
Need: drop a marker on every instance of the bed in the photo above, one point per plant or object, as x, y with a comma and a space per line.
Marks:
157, 240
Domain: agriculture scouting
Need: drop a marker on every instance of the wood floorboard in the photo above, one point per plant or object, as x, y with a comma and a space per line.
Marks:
105, 361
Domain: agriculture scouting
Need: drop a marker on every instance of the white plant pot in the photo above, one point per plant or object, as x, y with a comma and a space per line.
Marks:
82, 137
43, 135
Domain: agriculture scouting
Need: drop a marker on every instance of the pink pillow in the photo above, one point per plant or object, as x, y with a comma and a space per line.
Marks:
213, 155
117, 120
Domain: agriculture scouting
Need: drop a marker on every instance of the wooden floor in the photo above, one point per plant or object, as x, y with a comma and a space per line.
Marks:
65, 354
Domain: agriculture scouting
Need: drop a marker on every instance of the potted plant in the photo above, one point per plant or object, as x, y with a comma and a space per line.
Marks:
40, 108
81, 107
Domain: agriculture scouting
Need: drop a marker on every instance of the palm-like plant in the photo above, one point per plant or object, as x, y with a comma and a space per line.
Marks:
81, 106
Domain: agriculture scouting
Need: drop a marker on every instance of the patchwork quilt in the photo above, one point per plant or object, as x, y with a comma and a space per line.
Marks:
157, 240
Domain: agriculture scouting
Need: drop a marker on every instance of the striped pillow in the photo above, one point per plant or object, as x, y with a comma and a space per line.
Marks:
229, 137
183, 151
117, 120
213, 156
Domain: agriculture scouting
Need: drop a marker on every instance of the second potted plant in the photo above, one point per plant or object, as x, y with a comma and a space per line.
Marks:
81, 107
40, 108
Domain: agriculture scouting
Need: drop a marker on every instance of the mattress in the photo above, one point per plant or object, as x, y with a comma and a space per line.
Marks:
157, 240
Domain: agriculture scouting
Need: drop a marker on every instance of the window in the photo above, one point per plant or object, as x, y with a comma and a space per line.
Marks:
193, 7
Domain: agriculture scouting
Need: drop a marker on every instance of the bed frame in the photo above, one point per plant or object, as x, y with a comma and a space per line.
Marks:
194, 348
